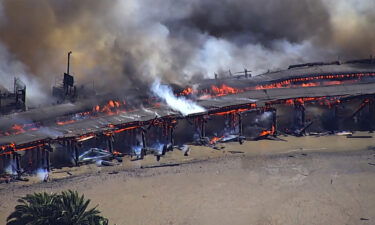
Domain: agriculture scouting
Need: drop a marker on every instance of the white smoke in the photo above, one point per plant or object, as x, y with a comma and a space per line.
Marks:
11, 68
221, 55
42, 174
10, 169
180, 104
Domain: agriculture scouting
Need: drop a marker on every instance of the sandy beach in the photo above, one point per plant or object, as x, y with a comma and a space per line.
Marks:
307, 180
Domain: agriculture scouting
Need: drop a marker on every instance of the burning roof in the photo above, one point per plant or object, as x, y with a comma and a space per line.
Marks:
40, 125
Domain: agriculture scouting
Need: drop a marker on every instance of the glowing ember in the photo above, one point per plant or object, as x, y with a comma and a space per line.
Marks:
17, 129
214, 140
268, 132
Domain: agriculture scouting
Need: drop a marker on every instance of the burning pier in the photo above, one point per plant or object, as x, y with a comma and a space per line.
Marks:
320, 97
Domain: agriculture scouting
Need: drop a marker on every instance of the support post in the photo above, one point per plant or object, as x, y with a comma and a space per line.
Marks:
240, 127
37, 157
76, 154
299, 118
16, 158
171, 134
68, 146
372, 114
274, 122
203, 128
3, 158
336, 117
144, 144
47, 161
43, 154
110, 141
48, 149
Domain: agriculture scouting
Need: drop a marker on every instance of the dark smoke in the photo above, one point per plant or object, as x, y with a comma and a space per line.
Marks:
128, 43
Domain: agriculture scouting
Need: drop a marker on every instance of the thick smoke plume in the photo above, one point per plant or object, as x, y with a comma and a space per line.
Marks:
128, 42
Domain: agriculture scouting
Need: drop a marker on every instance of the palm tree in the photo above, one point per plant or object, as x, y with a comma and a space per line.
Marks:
67, 208
73, 210
37, 208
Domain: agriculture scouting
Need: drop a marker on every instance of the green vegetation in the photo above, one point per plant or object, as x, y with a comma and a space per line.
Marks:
67, 208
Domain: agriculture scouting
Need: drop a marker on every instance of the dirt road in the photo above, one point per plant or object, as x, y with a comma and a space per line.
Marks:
327, 186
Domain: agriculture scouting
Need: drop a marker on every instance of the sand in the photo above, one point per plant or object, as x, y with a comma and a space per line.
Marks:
308, 180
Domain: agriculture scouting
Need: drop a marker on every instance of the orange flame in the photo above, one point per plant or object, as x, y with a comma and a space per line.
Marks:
215, 139
224, 90
268, 132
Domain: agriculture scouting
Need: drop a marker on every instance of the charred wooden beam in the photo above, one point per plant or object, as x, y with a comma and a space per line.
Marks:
76, 153
16, 158
110, 141
299, 121
372, 114
38, 159
48, 150
274, 121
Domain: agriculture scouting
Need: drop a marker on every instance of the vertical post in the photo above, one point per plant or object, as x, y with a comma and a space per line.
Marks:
48, 149
171, 133
69, 53
372, 114
274, 121
336, 123
47, 160
67, 146
17, 160
203, 127
144, 145
143, 149
76, 154
240, 128
38, 157
30, 163
110, 143
43, 154
2, 162
299, 117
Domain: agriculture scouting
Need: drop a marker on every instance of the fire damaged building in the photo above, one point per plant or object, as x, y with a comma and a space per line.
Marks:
13, 101
306, 99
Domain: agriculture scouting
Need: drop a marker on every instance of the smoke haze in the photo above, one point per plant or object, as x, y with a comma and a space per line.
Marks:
132, 42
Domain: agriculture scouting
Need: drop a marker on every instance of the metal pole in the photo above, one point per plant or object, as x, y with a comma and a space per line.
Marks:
69, 53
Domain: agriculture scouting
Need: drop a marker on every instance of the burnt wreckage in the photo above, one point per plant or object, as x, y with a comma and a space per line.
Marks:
304, 99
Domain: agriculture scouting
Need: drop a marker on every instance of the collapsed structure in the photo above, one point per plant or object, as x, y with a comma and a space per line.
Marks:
317, 97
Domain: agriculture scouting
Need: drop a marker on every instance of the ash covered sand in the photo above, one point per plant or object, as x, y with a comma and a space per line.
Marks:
308, 180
